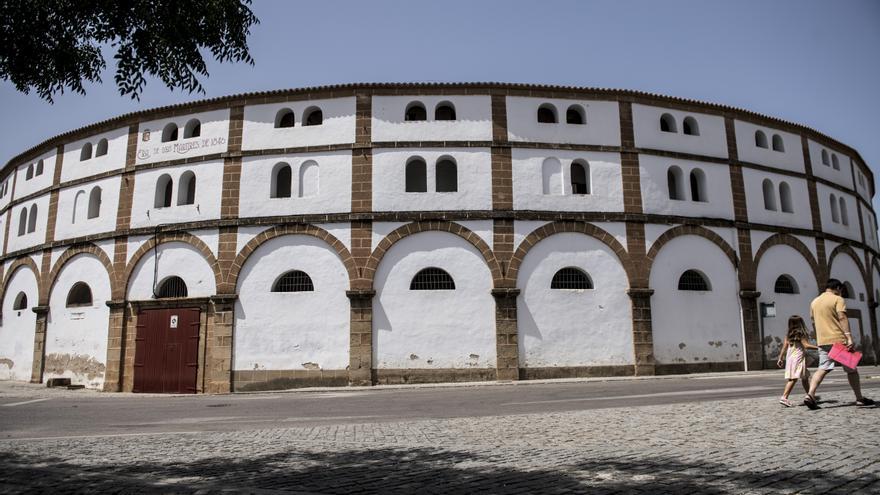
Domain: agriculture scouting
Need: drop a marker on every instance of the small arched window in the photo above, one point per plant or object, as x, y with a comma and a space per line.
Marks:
844, 218
580, 177
769, 195
785, 198
446, 175
778, 145
309, 179
86, 152
186, 190
571, 278
30, 172
432, 279
284, 118
675, 183
164, 186
667, 123
761, 139
21, 302
444, 111
78, 200
547, 114
282, 180
835, 216
169, 133
690, 127
415, 112
847, 291
693, 280
698, 186
22, 221
173, 286
825, 158
575, 115
94, 203
313, 116
39, 170
835, 163
786, 284
101, 149
80, 295
551, 176
416, 175
32, 219
192, 129
294, 281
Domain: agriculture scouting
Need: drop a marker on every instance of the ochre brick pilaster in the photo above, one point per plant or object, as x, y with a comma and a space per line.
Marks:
218, 349
52, 216
42, 312
812, 191
502, 173
822, 261
750, 315
506, 333
227, 250
229, 197
9, 210
502, 245
362, 157
115, 346
361, 334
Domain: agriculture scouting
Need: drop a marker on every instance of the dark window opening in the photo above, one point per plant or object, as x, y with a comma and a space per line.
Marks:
575, 115
80, 295
416, 176
432, 279
547, 114
313, 117
294, 281
693, 280
415, 112
172, 287
21, 302
580, 183
785, 285
444, 111
571, 278
284, 118
447, 176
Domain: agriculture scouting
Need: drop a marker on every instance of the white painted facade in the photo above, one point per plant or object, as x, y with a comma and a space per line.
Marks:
542, 180
34, 176
711, 141
209, 183
718, 202
75, 209
602, 121
77, 163
773, 212
173, 259
261, 132
788, 156
473, 119
17, 326
212, 138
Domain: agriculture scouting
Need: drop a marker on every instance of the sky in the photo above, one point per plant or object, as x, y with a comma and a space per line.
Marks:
812, 62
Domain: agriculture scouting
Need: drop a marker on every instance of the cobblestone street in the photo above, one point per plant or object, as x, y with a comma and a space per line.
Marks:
732, 446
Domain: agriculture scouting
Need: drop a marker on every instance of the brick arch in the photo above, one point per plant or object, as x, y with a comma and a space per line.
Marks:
25, 261
369, 271
848, 250
184, 237
875, 264
696, 230
794, 243
553, 228
296, 229
88, 249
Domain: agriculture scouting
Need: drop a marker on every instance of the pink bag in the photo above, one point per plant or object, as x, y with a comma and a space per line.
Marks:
840, 354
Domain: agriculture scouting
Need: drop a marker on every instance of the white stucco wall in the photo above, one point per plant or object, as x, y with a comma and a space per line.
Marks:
212, 139
292, 330
117, 143
175, 258
474, 180
473, 119
842, 177
38, 236
433, 329
712, 140
801, 217
76, 337
573, 327
338, 126
690, 326
334, 185
850, 231
863, 185
25, 187
655, 193
845, 269
606, 185
209, 185
602, 127
869, 222
17, 327
790, 159
6, 197
74, 201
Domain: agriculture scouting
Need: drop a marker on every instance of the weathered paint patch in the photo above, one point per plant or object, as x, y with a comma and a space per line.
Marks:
80, 364
311, 366
7, 362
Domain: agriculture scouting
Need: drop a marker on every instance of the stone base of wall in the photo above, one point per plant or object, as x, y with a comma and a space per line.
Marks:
401, 376
575, 372
259, 380
684, 368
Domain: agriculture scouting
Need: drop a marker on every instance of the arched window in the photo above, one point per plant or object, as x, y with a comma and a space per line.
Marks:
284, 118
825, 157
580, 177
786, 284
94, 203
32, 219
294, 281
575, 115
39, 170
848, 292
173, 286
835, 163
667, 123
22, 221
675, 183
415, 111
86, 152
698, 186
78, 200
778, 145
80, 295
309, 179
416, 175
571, 278
446, 175
690, 127
192, 129
432, 279
444, 111
30, 172
163, 191
20, 302
844, 218
101, 149
835, 216
785, 198
313, 116
547, 114
169, 133
186, 190
551, 176
761, 139
769, 195
693, 280
282, 180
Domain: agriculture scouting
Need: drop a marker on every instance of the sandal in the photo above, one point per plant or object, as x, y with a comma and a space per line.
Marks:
864, 402
811, 402
785, 402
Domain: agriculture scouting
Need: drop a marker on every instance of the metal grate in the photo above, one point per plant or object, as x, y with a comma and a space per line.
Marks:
294, 281
785, 285
571, 278
173, 287
432, 279
80, 295
693, 280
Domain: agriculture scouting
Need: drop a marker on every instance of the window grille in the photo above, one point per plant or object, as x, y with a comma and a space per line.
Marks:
80, 295
432, 279
21, 302
693, 280
172, 287
294, 281
785, 285
571, 278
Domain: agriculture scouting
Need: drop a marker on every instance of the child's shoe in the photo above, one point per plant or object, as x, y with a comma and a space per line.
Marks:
785, 402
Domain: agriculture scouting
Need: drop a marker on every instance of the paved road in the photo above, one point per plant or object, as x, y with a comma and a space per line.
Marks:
720, 434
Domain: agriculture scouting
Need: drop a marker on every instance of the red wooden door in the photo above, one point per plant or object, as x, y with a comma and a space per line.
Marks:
167, 351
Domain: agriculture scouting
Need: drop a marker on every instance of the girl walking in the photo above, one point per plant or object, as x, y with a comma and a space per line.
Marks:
793, 352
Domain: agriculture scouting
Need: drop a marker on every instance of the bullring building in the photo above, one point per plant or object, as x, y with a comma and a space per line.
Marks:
389, 233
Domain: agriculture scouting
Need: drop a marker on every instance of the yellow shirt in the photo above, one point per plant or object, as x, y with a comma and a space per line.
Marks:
824, 310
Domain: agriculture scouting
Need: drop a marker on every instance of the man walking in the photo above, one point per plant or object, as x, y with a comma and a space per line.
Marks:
828, 312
